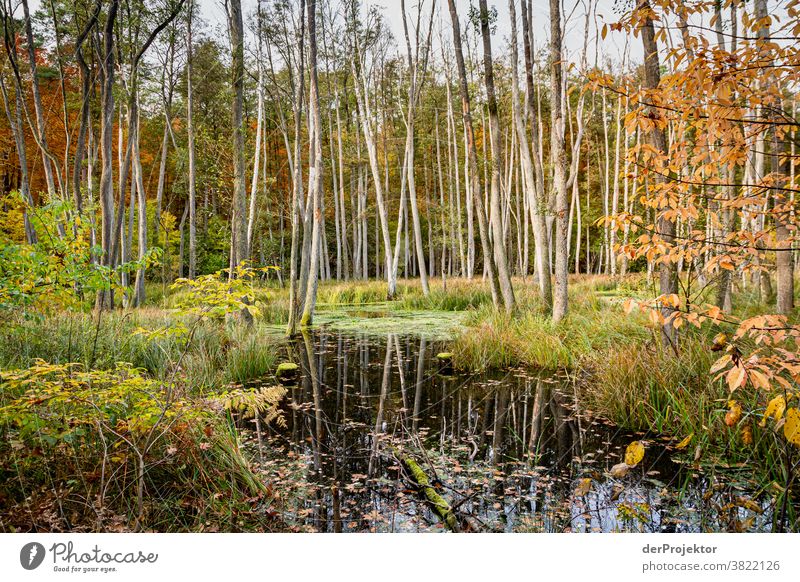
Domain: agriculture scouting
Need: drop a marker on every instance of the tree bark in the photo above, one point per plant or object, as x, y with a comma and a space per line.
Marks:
190, 138
495, 217
665, 227
106, 195
559, 158
314, 167
297, 177
239, 253
472, 165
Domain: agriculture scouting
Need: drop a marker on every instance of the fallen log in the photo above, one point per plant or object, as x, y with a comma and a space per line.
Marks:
436, 501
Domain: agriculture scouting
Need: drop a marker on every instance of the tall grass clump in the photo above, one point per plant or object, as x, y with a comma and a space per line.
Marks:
76, 337
254, 356
357, 293
461, 296
528, 337
655, 388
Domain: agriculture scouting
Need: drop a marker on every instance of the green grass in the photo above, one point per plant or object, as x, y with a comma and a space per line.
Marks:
528, 337
653, 388
219, 354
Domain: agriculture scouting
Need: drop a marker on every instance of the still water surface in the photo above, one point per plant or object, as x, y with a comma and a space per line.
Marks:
511, 451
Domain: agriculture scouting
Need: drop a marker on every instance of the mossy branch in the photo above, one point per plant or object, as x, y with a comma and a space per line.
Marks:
437, 502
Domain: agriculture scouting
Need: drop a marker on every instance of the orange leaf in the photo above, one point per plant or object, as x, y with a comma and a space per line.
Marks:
735, 377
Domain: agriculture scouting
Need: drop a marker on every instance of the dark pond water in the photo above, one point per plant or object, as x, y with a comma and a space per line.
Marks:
509, 452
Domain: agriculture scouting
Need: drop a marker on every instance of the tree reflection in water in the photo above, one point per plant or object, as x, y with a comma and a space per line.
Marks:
510, 451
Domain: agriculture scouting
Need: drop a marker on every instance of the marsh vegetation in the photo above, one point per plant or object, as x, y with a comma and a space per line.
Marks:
310, 265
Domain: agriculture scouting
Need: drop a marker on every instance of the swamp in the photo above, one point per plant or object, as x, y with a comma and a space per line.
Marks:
385, 266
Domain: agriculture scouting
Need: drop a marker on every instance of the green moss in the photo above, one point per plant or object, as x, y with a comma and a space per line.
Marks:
286, 369
437, 502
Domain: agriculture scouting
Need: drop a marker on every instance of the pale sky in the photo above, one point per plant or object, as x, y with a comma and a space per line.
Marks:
611, 48
214, 12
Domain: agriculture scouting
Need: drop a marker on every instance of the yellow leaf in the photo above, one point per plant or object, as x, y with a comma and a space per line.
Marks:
749, 504
584, 486
685, 442
775, 409
720, 341
791, 429
747, 435
719, 364
634, 453
734, 413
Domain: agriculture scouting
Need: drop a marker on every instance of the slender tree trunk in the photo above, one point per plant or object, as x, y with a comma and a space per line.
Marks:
190, 137
474, 181
410, 166
107, 68
297, 179
361, 84
499, 243
49, 165
665, 227
141, 199
251, 217
781, 206
559, 157
17, 130
315, 166
86, 84
239, 252
539, 205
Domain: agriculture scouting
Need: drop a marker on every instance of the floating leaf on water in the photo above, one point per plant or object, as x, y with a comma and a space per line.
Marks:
634, 453
749, 504
619, 470
584, 486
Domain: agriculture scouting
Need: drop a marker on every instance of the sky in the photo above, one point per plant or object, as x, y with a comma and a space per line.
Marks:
611, 49
214, 12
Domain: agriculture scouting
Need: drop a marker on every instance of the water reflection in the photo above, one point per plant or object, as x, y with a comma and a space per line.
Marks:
509, 452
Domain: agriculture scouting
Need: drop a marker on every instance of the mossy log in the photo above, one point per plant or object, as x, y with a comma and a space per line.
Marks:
437, 502
445, 360
286, 371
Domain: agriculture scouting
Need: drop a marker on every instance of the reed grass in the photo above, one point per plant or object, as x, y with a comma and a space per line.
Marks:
218, 354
